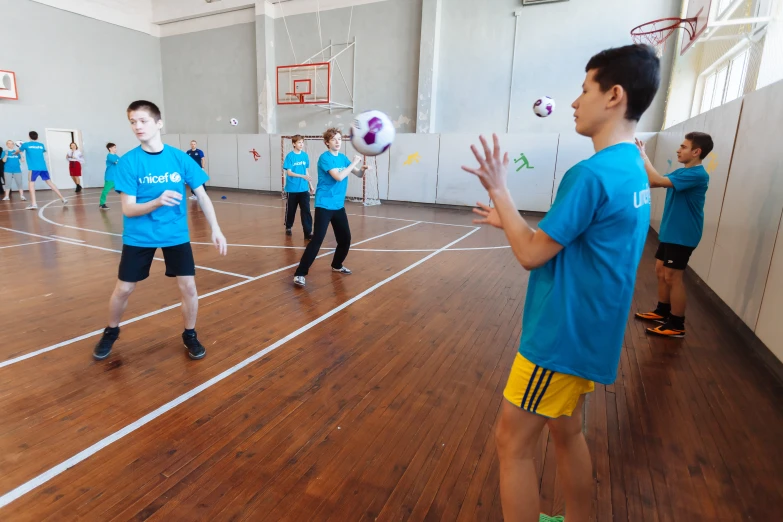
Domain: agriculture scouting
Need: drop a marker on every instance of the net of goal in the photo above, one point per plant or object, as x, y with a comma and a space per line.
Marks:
363, 190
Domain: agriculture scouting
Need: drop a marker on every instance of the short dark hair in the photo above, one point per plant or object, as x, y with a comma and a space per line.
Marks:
110, 145
635, 68
33, 135
702, 141
144, 105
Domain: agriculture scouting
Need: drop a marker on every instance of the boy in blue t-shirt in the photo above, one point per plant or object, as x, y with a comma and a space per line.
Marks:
34, 152
11, 159
681, 228
297, 186
108, 177
583, 261
151, 181
333, 170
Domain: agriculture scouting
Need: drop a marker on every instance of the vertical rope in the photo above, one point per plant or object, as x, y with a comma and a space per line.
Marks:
320, 38
350, 21
289, 34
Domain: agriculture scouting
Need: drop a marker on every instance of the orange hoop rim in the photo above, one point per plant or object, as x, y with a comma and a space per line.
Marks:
651, 32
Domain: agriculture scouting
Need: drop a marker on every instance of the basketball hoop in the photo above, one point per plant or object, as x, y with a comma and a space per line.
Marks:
656, 33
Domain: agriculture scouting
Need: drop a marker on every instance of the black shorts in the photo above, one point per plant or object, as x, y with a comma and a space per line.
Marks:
136, 261
674, 256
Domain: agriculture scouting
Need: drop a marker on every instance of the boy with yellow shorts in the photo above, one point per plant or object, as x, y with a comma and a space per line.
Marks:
583, 260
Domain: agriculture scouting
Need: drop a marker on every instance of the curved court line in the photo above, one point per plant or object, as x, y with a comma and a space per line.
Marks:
80, 242
48, 475
30, 355
359, 215
42, 216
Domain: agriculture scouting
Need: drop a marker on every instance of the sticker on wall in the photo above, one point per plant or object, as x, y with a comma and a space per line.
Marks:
255, 154
413, 158
525, 163
8, 86
712, 163
234, 122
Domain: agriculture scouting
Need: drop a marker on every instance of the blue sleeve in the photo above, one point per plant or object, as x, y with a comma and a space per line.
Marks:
287, 163
115, 159
124, 180
23, 147
324, 163
200, 154
193, 175
578, 199
307, 161
685, 179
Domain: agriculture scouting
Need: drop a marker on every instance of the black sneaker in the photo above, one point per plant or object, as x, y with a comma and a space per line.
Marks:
288, 232
103, 207
103, 348
309, 238
195, 349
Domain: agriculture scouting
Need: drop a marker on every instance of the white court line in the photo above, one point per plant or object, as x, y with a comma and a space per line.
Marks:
48, 475
360, 215
31, 243
30, 355
68, 238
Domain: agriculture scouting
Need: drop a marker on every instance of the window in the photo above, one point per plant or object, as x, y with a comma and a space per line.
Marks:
722, 6
726, 83
737, 69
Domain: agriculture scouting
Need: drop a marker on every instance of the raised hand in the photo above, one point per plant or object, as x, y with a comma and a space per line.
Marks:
642, 148
493, 169
490, 216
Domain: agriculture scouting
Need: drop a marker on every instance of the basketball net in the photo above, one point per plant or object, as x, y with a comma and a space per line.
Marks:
657, 32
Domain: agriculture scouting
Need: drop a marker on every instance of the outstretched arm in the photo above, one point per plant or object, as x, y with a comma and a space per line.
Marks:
532, 248
656, 180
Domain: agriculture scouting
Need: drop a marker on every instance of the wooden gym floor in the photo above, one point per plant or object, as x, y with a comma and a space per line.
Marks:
371, 396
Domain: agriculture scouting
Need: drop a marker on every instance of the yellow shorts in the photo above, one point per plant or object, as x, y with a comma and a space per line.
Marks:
542, 391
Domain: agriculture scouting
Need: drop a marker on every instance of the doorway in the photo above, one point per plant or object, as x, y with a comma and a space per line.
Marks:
58, 144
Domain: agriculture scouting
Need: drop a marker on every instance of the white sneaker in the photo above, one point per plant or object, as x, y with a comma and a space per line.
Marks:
193, 197
6, 198
342, 270
65, 201
31, 207
299, 280
24, 198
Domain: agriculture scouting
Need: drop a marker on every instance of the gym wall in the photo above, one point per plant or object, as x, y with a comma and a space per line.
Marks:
740, 256
70, 78
209, 77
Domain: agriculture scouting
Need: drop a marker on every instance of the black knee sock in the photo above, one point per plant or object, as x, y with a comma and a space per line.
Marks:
677, 322
663, 309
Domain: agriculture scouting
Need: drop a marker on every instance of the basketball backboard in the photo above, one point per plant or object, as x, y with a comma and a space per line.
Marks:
304, 84
699, 13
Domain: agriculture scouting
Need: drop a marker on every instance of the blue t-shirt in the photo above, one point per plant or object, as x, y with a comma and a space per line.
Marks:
298, 164
196, 155
34, 155
147, 176
111, 166
577, 303
331, 193
683, 214
12, 164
